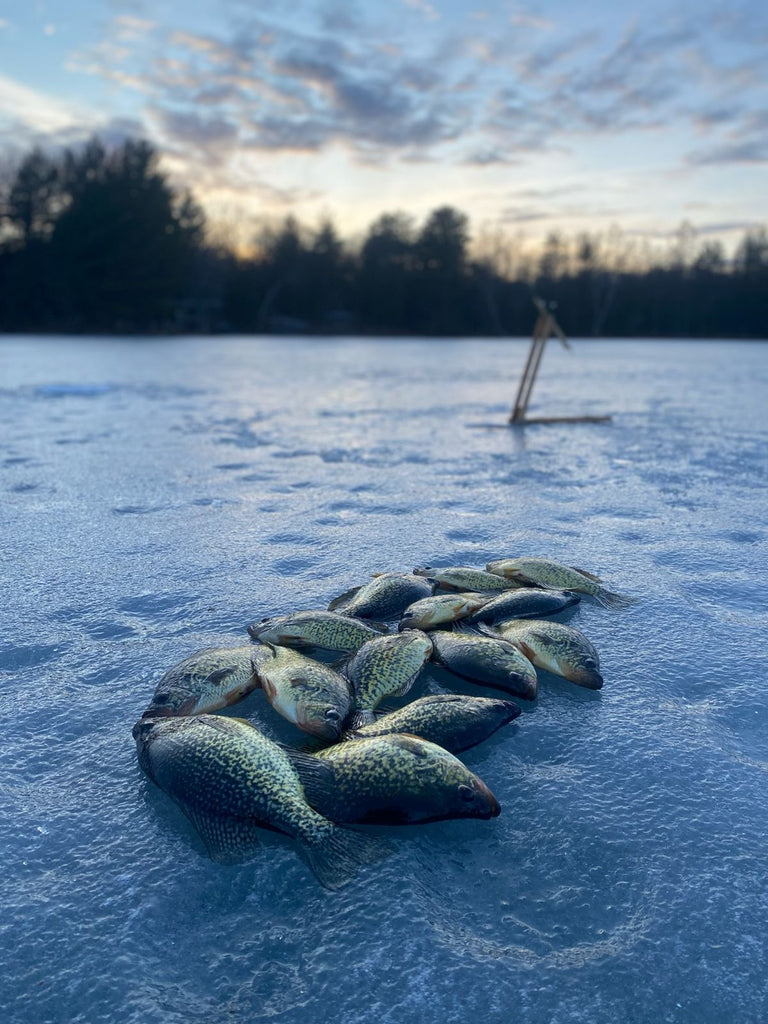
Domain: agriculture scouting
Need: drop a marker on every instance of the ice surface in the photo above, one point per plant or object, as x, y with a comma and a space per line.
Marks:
159, 495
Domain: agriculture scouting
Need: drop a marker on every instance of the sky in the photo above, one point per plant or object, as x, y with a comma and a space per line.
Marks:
528, 117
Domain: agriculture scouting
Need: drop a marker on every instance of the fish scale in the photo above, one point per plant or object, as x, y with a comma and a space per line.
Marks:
451, 720
395, 779
328, 630
385, 667
207, 680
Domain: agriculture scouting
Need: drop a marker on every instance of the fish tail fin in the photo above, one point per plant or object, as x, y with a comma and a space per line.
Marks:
336, 854
609, 599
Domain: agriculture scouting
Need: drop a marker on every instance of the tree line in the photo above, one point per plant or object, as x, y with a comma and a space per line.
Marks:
98, 240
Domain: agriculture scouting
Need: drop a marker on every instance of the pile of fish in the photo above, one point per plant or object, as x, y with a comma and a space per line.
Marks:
365, 767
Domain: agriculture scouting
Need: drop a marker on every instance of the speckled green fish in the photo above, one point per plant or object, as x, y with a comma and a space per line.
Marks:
524, 603
385, 597
543, 572
454, 721
395, 780
384, 667
231, 781
440, 610
205, 681
459, 577
487, 661
555, 647
328, 630
313, 696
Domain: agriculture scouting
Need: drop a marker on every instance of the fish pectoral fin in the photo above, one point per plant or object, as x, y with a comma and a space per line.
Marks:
589, 575
525, 649
405, 687
465, 626
219, 675
227, 840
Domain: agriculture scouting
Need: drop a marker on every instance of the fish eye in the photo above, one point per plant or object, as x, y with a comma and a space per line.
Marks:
466, 793
161, 698
332, 715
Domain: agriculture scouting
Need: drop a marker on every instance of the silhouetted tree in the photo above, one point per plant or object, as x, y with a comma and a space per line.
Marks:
34, 197
124, 242
385, 269
441, 251
98, 239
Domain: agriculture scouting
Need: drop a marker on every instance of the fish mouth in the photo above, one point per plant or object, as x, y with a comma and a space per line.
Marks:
492, 807
166, 710
142, 730
321, 728
590, 679
509, 710
159, 712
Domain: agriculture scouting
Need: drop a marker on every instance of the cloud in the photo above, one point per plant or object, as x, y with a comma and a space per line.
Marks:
723, 227
423, 7
754, 151
29, 118
189, 128
745, 141
37, 111
466, 94
522, 215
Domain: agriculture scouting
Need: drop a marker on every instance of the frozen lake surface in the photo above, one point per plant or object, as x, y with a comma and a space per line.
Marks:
159, 495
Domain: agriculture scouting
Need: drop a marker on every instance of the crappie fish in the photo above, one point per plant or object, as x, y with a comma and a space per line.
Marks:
384, 667
555, 647
487, 661
524, 603
433, 612
329, 630
385, 597
396, 780
311, 695
230, 781
543, 572
454, 721
205, 681
459, 577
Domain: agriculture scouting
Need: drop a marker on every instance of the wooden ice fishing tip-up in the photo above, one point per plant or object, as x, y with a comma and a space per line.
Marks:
546, 326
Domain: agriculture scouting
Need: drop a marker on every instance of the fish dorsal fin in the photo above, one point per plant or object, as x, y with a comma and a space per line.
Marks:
315, 774
343, 599
589, 575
